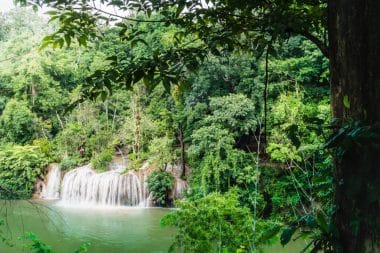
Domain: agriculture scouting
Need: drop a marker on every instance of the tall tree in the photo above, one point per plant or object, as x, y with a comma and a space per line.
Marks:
355, 94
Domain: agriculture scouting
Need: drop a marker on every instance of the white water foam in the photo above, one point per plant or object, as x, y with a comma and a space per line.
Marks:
84, 187
50, 189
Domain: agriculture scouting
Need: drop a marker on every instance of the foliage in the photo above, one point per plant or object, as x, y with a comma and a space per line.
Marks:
99, 161
163, 91
69, 163
299, 127
211, 149
211, 27
71, 138
234, 112
20, 167
159, 184
161, 151
354, 135
356, 144
36, 246
317, 227
17, 123
215, 223
99, 141
46, 147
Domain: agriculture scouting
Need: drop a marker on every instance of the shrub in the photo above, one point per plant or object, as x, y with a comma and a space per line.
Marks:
159, 184
47, 148
99, 161
69, 163
217, 223
136, 160
211, 224
20, 166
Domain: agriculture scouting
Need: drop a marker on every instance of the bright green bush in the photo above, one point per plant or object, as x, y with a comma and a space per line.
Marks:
20, 166
217, 223
159, 184
47, 147
99, 161
69, 163
136, 160
299, 127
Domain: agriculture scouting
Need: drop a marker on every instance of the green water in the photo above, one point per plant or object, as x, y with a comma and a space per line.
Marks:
126, 230
108, 230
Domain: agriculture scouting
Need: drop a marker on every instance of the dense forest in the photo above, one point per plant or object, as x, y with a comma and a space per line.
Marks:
242, 110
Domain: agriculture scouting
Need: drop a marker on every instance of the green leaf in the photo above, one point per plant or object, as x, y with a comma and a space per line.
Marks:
292, 133
104, 95
68, 40
269, 233
286, 235
346, 102
322, 223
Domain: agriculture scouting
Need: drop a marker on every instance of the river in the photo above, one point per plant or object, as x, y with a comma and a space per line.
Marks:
109, 230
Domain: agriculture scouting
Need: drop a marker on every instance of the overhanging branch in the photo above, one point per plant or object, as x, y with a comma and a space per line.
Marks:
319, 43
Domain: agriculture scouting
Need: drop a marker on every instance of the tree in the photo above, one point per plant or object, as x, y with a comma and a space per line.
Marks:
17, 123
352, 46
234, 112
159, 184
202, 225
355, 90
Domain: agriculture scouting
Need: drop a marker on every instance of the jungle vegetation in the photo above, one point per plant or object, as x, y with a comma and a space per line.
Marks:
237, 93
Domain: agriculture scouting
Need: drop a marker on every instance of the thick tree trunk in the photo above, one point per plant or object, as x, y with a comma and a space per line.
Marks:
354, 37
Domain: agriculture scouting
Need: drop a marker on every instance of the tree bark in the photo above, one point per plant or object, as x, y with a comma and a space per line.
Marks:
136, 114
266, 95
354, 40
182, 146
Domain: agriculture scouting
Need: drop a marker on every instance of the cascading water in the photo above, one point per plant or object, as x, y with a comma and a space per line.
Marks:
180, 187
50, 189
83, 186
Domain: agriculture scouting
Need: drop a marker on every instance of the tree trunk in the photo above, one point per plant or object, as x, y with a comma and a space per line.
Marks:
266, 97
354, 37
182, 145
136, 114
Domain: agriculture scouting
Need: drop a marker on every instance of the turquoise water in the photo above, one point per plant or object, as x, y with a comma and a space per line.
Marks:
108, 230
123, 230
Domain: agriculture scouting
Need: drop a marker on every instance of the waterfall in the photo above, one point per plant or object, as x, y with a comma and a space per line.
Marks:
83, 186
180, 187
50, 189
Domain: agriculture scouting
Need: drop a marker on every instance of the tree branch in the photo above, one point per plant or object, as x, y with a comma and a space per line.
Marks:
319, 43
126, 18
